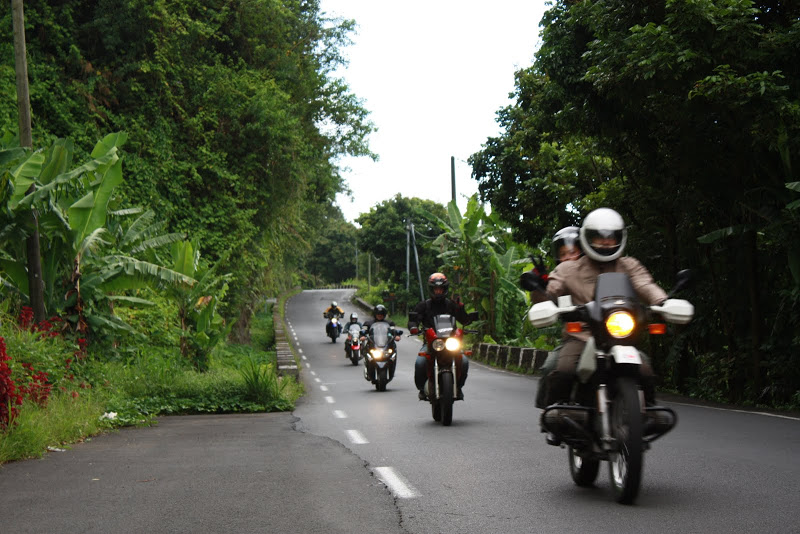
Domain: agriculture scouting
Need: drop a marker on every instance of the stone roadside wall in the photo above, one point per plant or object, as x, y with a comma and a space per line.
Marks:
527, 360
287, 362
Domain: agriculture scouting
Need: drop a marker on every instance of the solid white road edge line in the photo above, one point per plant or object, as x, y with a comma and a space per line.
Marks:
399, 488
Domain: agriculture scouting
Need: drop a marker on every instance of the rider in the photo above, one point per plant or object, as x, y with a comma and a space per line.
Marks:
566, 247
423, 314
334, 311
379, 313
352, 322
602, 238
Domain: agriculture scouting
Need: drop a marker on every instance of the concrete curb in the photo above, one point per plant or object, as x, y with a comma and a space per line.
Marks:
519, 359
287, 362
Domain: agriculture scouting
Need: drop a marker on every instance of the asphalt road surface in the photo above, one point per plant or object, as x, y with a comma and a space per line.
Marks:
352, 459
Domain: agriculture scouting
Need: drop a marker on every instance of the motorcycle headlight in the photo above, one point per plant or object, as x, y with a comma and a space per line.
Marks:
376, 353
438, 344
620, 324
452, 344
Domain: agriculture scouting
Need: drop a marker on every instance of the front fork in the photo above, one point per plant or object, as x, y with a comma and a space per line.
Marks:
606, 438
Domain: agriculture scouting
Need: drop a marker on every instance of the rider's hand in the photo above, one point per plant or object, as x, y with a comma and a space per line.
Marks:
536, 278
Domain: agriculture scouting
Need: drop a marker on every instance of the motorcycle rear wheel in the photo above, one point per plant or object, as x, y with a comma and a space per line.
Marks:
625, 465
583, 470
446, 398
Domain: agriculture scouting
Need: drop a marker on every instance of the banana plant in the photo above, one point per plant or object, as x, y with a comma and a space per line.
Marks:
202, 328
78, 251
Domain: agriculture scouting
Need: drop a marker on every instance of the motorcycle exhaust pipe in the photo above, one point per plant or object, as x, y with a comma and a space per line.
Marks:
658, 421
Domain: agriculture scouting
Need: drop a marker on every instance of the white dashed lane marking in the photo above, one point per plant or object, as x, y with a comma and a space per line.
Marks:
356, 437
399, 487
330, 400
339, 414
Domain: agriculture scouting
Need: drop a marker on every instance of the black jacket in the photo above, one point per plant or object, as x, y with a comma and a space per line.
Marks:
428, 309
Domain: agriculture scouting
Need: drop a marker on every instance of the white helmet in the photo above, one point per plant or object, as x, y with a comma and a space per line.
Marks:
603, 235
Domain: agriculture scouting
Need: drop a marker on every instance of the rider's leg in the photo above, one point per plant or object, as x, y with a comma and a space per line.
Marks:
560, 380
547, 367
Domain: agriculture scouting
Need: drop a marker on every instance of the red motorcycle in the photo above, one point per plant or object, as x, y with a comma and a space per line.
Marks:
353, 346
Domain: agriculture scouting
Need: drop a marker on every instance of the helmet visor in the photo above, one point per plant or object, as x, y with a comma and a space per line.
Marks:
604, 242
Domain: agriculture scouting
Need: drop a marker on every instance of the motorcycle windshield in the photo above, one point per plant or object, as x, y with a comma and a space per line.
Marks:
354, 331
380, 334
444, 325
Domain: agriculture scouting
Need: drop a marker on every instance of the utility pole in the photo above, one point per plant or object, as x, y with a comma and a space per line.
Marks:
408, 256
416, 258
35, 286
453, 176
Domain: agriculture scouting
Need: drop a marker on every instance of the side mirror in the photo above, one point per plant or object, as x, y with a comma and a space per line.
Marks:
683, 280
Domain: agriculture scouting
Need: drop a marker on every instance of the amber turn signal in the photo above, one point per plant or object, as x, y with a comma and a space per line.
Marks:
658, 328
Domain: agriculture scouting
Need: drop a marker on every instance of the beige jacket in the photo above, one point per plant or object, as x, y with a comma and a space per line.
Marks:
578, 278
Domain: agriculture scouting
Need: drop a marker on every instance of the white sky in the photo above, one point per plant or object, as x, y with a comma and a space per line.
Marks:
433, 74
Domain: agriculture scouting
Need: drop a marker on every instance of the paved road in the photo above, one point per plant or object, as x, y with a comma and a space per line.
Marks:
491, 471
351, 459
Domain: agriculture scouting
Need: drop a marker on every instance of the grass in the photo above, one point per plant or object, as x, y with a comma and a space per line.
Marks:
154, 381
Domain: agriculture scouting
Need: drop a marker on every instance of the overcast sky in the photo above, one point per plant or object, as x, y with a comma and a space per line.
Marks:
433, 75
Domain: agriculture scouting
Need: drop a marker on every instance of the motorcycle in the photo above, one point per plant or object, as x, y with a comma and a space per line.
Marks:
353, 347
445, 343
333, 329
607, 418
380, 354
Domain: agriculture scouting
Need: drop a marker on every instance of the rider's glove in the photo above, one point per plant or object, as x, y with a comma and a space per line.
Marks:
536, 278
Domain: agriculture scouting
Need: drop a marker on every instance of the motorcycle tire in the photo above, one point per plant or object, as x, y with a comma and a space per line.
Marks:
446, 398
625, 465
354, 358
583, 470
380, 385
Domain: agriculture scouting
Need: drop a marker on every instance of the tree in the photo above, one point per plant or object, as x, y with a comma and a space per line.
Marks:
384, 233
692, 109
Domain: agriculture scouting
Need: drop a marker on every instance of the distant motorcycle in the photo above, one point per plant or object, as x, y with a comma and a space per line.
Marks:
445, 344
607, 419
353, 346
332, 329
380, 353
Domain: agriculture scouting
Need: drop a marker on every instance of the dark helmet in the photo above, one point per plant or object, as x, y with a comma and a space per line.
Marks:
354, 317
438, 280
570, 236
380, 309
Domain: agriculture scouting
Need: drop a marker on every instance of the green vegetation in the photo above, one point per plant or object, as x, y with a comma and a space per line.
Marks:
683, 116
91, 393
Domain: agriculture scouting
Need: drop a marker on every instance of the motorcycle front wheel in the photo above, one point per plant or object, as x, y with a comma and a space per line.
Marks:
583, 470
380, 385
446, 397
625, 464
436, 408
